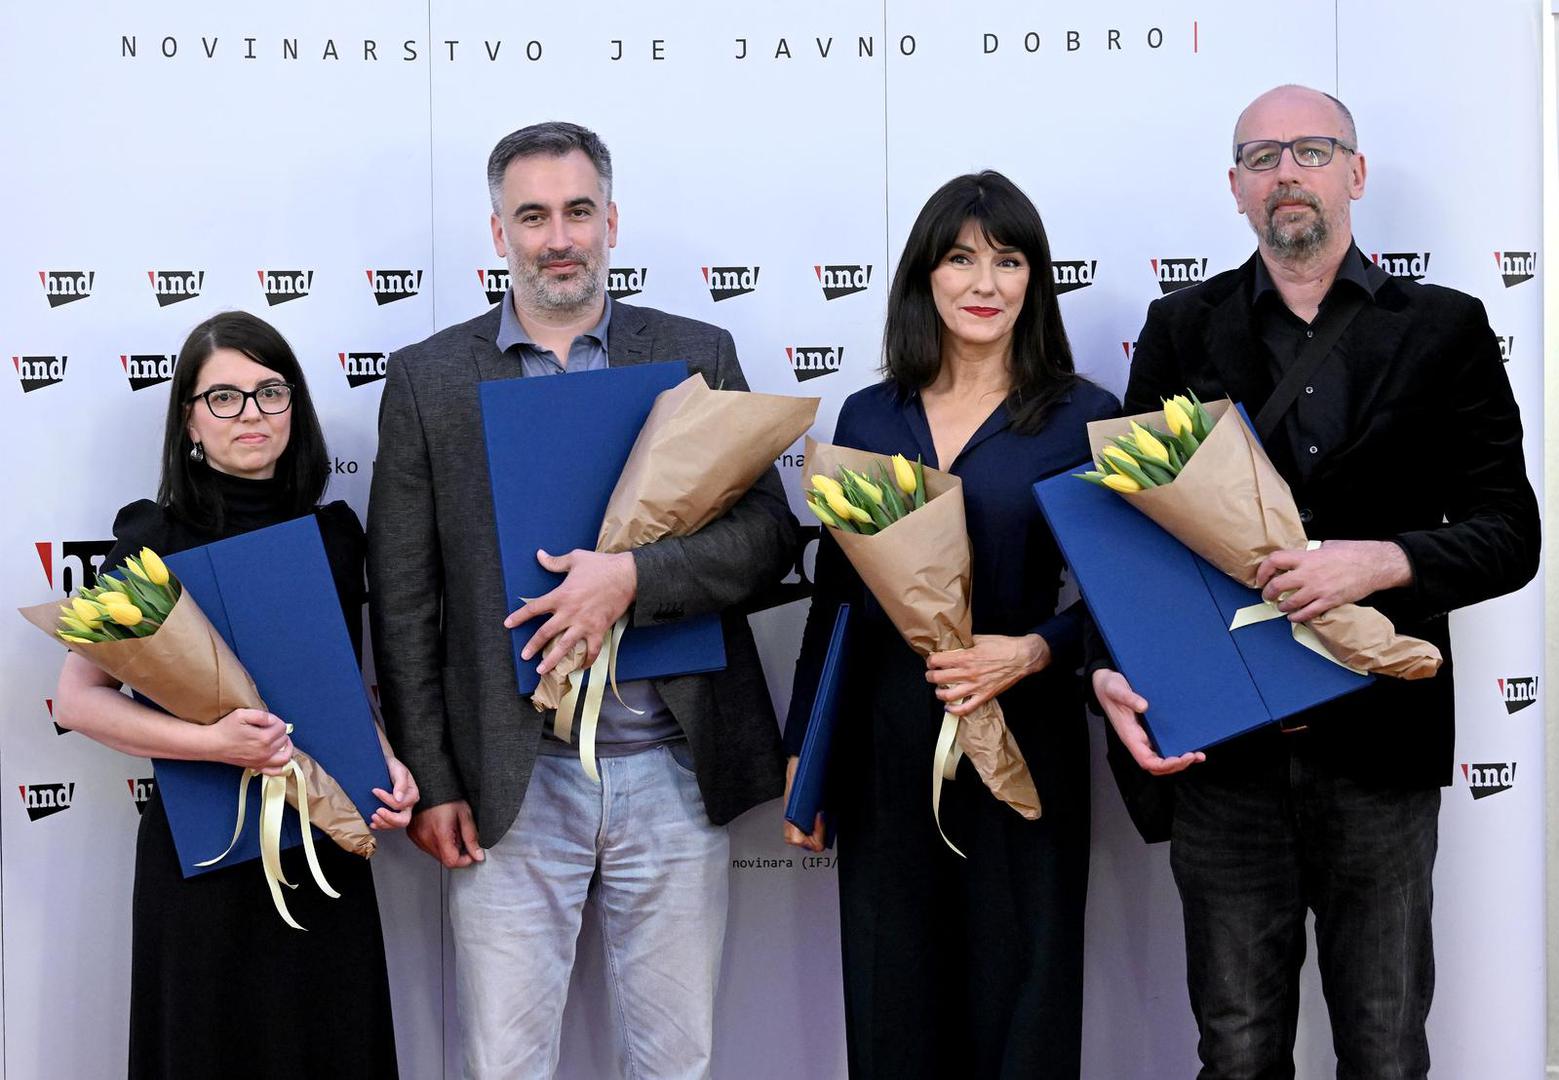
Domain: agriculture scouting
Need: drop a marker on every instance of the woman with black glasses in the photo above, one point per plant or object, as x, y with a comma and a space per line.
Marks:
220, 986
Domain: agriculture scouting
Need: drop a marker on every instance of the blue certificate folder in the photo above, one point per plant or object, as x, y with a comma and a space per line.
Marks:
271, 596
555, 448
1164, 613
808, 787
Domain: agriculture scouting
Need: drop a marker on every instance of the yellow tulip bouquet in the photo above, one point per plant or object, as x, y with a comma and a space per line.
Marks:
1145, 457
120, 608
699, 451
1228, 504
852, 503
143, 629
902, 527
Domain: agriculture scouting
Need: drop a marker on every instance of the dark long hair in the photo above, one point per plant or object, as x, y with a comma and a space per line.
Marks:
187, 487
1042, 369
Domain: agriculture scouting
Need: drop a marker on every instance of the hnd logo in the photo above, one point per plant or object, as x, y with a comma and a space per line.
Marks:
363, 367
79, 563
810, 361
1071, 276
392, 285
1175, 274
624, 281
66, 286
141, 788
1489, 777
147, 369
843, 279
1507, 342
48, 703
176, 286
1412, 265
727, 281
280, 286
36, 372
494, 282
1516, 266
1518, 693
41, 800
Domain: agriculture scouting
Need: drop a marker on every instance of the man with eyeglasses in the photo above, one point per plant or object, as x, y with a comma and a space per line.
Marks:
1345, 369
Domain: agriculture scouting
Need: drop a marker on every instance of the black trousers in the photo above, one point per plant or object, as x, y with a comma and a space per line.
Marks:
1251, 855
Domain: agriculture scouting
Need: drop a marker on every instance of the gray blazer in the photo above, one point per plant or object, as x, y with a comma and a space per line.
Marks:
444, 660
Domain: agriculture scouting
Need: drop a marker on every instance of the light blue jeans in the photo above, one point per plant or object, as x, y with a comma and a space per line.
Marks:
662, 873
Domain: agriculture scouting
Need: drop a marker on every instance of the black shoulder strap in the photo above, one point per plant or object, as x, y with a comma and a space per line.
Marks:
1327, 331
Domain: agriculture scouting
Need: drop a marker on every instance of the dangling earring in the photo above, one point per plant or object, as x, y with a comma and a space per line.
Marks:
197, 453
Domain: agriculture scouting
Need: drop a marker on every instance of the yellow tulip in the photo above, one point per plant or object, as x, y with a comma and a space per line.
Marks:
1124, 484
126, 614
822, 514
1176, 417
70, 622
1113, 451
135, 568
108, 598
873, 492
904, 474
74, 640
826, 485
1148, 443
88, 612
1184, 403
156, 571
840, 505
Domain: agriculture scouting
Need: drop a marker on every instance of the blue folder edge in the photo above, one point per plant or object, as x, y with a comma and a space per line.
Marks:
1164, 615
546, 498
271, 595
809, 787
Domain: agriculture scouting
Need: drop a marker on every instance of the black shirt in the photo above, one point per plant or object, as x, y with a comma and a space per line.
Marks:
1313, 424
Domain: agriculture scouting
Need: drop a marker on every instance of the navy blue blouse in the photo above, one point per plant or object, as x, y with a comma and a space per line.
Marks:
1017, 566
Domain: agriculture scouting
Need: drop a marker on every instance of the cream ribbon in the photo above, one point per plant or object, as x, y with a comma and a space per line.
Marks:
1266, 611
943, 767
601, 672
273, 807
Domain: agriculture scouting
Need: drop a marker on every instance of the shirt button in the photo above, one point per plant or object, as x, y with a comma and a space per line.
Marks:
1309, 333
1309, 389
1315, 449
1305, 516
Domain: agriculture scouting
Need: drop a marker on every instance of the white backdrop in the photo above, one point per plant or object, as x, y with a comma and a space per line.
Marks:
349, 139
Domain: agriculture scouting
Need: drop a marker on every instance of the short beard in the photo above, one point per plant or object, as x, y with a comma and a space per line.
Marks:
536, 290
1298, 243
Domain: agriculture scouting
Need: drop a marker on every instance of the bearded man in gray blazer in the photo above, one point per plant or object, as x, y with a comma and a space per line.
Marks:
505, 805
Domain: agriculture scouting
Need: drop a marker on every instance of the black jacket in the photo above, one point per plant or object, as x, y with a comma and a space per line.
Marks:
1430, 457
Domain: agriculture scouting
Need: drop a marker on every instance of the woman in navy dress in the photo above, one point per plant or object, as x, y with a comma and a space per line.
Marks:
219, 985
964, 967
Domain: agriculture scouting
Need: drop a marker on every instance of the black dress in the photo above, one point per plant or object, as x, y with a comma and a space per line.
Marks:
959, 967
219, 985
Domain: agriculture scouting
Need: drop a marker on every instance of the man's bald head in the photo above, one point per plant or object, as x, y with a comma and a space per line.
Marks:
1283, 95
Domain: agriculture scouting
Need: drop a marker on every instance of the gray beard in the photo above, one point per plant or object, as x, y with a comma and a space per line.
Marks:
1298, 242
535, 290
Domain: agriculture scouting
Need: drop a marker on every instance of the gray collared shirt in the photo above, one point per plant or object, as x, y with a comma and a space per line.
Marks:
620, 731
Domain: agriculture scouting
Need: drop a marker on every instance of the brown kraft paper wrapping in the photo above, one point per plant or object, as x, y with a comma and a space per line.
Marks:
919, 570
1230, 506
699, 451
187, 669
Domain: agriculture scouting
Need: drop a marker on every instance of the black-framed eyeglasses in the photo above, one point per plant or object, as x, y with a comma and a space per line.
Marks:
227, 402
1310, 151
